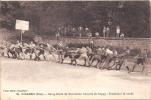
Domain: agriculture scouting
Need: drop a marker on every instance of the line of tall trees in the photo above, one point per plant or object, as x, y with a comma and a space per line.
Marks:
45, 17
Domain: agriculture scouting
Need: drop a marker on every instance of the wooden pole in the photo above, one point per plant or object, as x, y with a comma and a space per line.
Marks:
21, 37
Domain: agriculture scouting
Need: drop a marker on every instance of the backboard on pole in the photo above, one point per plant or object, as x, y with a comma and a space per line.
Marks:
22, 25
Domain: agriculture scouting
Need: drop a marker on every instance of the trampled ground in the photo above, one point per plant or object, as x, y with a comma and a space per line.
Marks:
45, 80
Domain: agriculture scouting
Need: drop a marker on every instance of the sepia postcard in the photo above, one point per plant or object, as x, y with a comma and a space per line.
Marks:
75, 50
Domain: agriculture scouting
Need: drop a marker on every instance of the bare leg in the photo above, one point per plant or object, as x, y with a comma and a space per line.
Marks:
98, 65
120, 65
128, 69
92, 60
143, 68
54, 56
44, 57
116, 66
2, 53
30, 56
8, 55
88, 61
134, 67
85, 60
75, 62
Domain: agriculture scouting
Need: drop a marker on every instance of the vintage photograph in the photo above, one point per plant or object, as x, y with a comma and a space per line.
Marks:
75, 50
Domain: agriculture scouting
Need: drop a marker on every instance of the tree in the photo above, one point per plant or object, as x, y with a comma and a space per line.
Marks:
46, 17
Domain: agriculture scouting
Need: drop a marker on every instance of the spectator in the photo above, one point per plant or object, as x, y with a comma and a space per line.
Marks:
97, 34
91, 42
122, 35
107, 31
89, 34
118, 31
65, 31
73, 32
61, 30
57, 35
80, 30
87, 31
104, 31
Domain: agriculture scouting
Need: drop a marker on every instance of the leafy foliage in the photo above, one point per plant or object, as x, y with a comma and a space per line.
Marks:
46, 17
